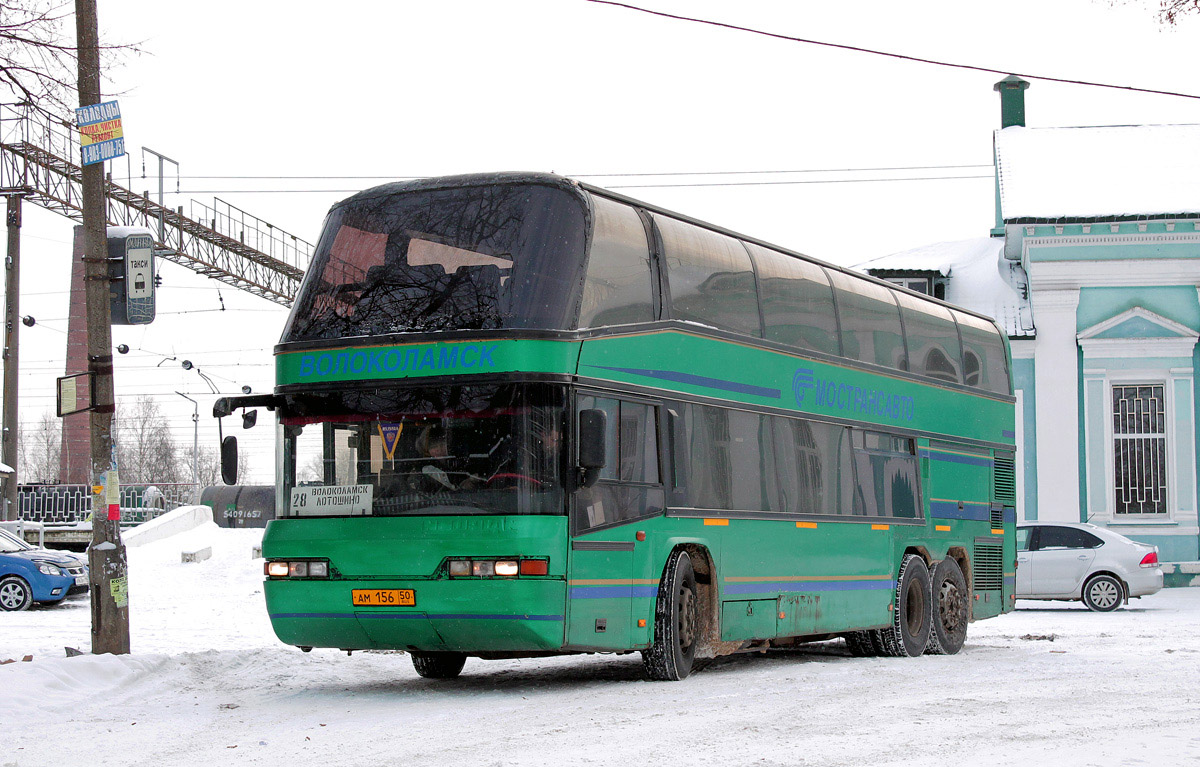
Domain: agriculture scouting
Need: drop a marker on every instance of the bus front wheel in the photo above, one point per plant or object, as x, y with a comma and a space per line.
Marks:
439, 665
676, 622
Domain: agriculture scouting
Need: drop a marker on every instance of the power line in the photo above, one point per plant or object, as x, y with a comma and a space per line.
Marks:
624, 186
915, 59
278, 177
790, 183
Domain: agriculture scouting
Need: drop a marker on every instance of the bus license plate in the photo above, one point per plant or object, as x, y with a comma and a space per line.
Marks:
383, 597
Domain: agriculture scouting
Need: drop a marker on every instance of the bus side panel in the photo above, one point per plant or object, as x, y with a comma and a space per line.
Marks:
820, 577
959, 493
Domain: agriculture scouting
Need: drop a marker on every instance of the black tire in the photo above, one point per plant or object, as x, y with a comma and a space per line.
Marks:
861, 644
912, 611
15, 594
1103, 593
439, 665
951, 609
676, 622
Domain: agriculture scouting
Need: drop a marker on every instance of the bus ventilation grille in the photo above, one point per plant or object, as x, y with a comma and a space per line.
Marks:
997, 517
1005, 479
989, 566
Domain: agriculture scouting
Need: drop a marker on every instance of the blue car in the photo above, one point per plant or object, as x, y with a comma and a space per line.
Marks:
29, 574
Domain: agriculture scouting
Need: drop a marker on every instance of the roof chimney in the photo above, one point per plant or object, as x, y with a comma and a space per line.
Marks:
1012, 101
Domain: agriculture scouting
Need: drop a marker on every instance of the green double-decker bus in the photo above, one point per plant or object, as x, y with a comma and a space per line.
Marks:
520, 415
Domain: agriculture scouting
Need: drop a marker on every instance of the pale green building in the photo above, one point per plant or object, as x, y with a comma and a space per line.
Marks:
1094, 271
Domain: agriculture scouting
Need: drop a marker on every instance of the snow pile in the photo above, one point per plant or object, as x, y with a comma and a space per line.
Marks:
174, 522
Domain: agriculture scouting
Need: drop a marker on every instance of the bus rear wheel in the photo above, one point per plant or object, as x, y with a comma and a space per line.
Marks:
676, 622
911, 612
439, 665
950, 609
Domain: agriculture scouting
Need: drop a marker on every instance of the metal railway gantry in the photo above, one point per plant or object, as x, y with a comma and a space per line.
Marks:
37, 159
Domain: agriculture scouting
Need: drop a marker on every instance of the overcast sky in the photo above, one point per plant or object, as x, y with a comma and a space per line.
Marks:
350, 95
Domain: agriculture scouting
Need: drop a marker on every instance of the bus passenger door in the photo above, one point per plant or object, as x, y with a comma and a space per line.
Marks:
601, 586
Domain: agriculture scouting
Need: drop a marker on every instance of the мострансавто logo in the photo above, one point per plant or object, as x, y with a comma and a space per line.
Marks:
877, 403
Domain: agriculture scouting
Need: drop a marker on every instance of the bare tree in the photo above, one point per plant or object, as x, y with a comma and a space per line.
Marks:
145, 450
1169, 11
40, 449
210, 467
38, 57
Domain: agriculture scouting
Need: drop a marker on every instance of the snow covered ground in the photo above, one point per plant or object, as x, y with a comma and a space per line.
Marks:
208, 684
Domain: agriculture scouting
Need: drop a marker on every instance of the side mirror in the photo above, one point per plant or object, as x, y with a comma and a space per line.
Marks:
592, 448
229, 460
249, 418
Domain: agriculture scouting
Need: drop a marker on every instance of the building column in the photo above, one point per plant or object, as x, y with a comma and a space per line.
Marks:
1056, 376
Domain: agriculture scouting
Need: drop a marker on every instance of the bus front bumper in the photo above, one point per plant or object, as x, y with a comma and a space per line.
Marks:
471, 616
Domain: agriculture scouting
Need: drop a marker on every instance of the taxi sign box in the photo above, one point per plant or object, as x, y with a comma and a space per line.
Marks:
131, 277
332, 500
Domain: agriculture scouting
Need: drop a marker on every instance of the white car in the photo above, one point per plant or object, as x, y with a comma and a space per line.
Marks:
1072, 560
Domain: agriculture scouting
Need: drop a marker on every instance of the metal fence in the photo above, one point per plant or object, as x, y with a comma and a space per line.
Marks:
70, 504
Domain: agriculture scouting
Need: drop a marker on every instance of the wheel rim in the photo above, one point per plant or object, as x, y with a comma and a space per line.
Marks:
1104, 593
687, 618
11, 595
950, 607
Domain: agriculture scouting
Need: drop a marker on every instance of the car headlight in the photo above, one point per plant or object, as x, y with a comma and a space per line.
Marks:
49, 569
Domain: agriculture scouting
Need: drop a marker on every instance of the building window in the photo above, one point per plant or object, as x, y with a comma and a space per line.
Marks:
915, 284
1139, 449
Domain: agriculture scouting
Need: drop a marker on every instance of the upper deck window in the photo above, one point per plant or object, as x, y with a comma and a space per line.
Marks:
797, 301
869, 320
617, 289
710, 277
984, 362
933, 345
464, 258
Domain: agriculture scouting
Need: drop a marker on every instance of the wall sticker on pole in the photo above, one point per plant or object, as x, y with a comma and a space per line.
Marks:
100, 134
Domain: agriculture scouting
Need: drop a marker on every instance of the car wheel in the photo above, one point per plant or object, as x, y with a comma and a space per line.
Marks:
676, 622
15, 594
1103, 593
950, 609
439, 665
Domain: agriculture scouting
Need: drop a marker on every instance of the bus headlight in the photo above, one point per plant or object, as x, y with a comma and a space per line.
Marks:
497, 568
506, 567
297, 569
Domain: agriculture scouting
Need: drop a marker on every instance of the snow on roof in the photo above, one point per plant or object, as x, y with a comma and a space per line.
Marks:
1098, 172
980, 279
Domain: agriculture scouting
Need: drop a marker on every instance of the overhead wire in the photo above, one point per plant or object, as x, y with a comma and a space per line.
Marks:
888, 54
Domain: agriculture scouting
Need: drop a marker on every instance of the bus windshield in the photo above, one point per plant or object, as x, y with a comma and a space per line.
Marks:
476, 449
401, 258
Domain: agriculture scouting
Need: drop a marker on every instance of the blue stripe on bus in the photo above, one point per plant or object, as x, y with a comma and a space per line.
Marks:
688, 378
767, 587
1009, 434
611, 592
413, 616
1010, 516
954, 458
945, 510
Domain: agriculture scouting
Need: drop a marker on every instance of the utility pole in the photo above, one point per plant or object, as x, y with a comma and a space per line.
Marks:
12, 317
106, 556
195, 446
